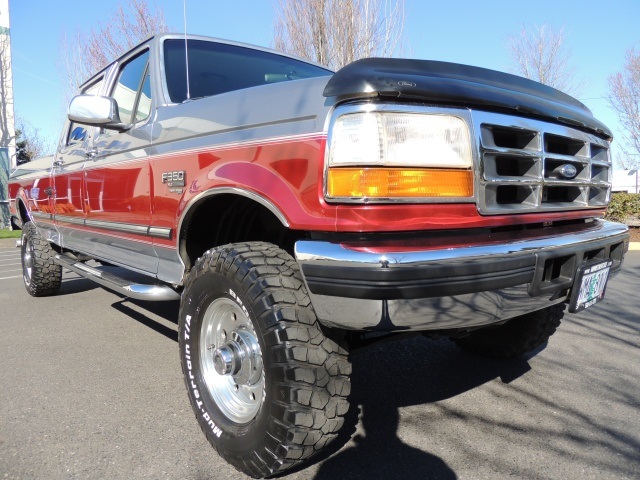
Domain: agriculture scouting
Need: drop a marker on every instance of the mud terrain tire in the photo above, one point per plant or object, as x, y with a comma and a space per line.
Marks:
42, 277
286, 395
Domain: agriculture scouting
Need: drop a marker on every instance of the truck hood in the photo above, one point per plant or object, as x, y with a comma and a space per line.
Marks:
457, 84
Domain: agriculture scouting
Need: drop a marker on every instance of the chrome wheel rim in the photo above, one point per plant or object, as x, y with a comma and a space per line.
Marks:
27, 261
231, 360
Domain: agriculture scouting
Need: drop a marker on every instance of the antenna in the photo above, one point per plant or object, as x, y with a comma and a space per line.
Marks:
186, 54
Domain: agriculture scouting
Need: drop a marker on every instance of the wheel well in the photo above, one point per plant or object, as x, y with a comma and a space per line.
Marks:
229, 218
22, 212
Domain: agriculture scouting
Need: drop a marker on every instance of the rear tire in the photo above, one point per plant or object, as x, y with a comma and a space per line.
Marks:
266, 384
518, 336
42, 277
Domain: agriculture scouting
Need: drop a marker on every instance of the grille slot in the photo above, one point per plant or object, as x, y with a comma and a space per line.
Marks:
564, 146
599, 174
519, 139
562, 194
516, 167
529, 165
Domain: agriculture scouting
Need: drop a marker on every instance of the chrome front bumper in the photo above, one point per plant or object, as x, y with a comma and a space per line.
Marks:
451, 282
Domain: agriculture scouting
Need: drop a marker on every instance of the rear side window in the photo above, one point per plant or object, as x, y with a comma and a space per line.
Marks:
216, 68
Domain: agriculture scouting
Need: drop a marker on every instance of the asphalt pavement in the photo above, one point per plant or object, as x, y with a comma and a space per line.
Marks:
91, 388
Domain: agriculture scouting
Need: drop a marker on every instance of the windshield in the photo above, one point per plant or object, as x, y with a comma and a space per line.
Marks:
216, 68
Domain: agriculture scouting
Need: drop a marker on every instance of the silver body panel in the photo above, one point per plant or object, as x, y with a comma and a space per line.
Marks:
260, 114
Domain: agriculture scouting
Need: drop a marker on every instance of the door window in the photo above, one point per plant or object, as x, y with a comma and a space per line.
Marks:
132, 91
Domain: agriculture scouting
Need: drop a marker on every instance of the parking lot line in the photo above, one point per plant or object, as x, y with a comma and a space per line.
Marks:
7, 278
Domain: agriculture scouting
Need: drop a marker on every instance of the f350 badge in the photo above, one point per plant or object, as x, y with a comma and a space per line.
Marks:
174, 179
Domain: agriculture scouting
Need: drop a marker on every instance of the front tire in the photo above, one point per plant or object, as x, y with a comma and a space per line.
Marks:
42, 277
515, 338
267, 386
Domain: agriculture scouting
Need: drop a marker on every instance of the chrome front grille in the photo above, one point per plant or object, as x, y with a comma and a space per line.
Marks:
531, 166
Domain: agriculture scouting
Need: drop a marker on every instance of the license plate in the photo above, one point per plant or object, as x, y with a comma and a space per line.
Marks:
589, 286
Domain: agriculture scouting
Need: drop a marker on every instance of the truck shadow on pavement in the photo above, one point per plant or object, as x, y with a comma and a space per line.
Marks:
388, 377
165, 310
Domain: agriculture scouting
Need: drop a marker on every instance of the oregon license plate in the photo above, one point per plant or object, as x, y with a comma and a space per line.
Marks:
589, 286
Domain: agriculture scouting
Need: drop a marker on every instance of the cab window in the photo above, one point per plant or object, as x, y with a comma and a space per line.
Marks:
132, 90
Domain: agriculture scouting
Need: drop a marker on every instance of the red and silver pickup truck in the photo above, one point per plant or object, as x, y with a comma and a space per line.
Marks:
297, 213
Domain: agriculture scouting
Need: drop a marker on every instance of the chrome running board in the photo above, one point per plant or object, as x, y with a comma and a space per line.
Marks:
154, 293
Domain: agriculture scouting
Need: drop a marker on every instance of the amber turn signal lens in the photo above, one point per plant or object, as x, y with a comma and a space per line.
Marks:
399, 183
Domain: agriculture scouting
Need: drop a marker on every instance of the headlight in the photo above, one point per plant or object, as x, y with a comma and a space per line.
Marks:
396, 154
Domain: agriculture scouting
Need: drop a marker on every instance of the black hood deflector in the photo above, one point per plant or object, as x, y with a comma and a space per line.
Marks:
452, 83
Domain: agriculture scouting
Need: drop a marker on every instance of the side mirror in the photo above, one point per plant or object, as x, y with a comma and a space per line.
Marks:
96, 111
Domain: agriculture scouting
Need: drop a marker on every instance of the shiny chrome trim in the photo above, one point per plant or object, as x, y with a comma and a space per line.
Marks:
69, 219
537, 153
44, 216
461, 113
160, 232
144, 230
119, 285
465, 311
319, 252
118, 227
446, 312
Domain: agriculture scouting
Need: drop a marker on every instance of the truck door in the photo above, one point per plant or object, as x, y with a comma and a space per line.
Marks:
68, 179
117, 184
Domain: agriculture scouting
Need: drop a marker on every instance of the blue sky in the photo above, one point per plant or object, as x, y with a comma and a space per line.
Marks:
472, 32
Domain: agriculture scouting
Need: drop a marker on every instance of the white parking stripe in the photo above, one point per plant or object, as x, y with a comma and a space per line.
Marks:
12, 270
7, 278
9, 264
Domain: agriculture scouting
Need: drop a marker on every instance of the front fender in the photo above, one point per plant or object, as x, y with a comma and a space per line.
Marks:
267, 186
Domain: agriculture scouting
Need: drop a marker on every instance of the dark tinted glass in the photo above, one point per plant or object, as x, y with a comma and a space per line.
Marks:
216, 68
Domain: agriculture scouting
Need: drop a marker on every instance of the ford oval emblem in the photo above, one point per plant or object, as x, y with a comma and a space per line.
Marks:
568, 171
